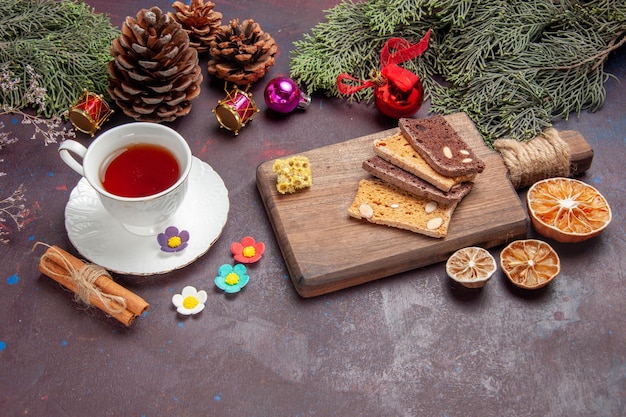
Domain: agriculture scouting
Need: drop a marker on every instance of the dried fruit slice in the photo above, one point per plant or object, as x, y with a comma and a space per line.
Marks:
530, 263
471, 267
567, 210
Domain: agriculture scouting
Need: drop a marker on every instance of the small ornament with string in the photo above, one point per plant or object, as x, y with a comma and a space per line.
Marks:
398, 92
284, 95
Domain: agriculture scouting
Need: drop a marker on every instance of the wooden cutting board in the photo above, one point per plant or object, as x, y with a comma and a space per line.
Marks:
326, 250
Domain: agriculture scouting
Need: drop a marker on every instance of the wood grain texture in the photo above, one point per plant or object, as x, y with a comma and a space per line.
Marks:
581, 153
326, 250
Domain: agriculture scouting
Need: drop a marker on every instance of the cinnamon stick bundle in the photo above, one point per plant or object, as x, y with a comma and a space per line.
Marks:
92, 284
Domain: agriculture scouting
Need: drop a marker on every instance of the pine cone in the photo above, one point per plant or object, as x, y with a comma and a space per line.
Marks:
155, 73
241, 54
199, 21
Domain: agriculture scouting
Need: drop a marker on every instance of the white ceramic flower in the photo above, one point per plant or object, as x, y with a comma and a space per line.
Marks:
190, 301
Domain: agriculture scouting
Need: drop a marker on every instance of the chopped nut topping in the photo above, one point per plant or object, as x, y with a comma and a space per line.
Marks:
464, 152
467, 160
447, 152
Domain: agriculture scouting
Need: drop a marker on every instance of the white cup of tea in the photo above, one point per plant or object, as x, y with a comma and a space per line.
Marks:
139, 171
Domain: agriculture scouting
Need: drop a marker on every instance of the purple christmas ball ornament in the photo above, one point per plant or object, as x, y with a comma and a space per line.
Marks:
283, 95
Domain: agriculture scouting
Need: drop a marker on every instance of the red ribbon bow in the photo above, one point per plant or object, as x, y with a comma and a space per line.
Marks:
394, 52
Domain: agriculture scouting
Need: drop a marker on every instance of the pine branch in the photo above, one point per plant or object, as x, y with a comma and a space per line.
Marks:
64, 42
513, 66
598, 58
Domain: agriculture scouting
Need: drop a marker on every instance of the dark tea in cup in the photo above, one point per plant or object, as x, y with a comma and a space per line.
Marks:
140, 170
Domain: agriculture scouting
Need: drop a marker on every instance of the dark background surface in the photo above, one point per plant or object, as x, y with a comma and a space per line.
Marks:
407, 345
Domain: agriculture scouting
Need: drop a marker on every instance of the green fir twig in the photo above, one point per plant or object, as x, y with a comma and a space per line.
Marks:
64, 42
514, 66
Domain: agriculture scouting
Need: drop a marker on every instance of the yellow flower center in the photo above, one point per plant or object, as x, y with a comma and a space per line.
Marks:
232, 279
249, 251
190, 302
174, 241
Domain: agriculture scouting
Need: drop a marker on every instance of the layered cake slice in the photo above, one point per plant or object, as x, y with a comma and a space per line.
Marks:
398, 151
406, 181
441, 146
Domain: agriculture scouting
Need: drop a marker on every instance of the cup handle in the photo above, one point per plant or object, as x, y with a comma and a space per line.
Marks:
69, 147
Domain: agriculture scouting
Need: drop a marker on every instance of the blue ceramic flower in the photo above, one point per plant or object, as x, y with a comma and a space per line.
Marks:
173, 240
232, 279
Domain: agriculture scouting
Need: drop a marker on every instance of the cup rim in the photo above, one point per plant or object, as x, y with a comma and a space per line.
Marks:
182, 178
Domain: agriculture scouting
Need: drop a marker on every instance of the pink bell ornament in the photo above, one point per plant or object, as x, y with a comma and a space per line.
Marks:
283, 95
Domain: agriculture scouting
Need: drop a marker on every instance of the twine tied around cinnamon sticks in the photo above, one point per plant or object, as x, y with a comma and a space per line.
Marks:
91, 284
85, 278
545, 156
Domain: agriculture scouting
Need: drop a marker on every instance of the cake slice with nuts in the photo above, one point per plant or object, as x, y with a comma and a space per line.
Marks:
441, 146
406, 181
397, 150
382, 203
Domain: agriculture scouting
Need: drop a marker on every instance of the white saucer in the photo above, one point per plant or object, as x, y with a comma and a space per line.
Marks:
105, 242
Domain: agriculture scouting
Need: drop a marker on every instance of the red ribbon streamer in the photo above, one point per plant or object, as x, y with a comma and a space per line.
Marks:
395, 51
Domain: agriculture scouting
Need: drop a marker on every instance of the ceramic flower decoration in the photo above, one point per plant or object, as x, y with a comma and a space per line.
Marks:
232, 279
248, 250
173, 240
190, 301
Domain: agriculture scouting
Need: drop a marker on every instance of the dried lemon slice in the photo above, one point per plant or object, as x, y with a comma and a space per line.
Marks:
530, 263
471, 267
567, 210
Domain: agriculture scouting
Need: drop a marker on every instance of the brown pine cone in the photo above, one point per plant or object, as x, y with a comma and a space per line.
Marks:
199, 21
155, 73
241, 54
